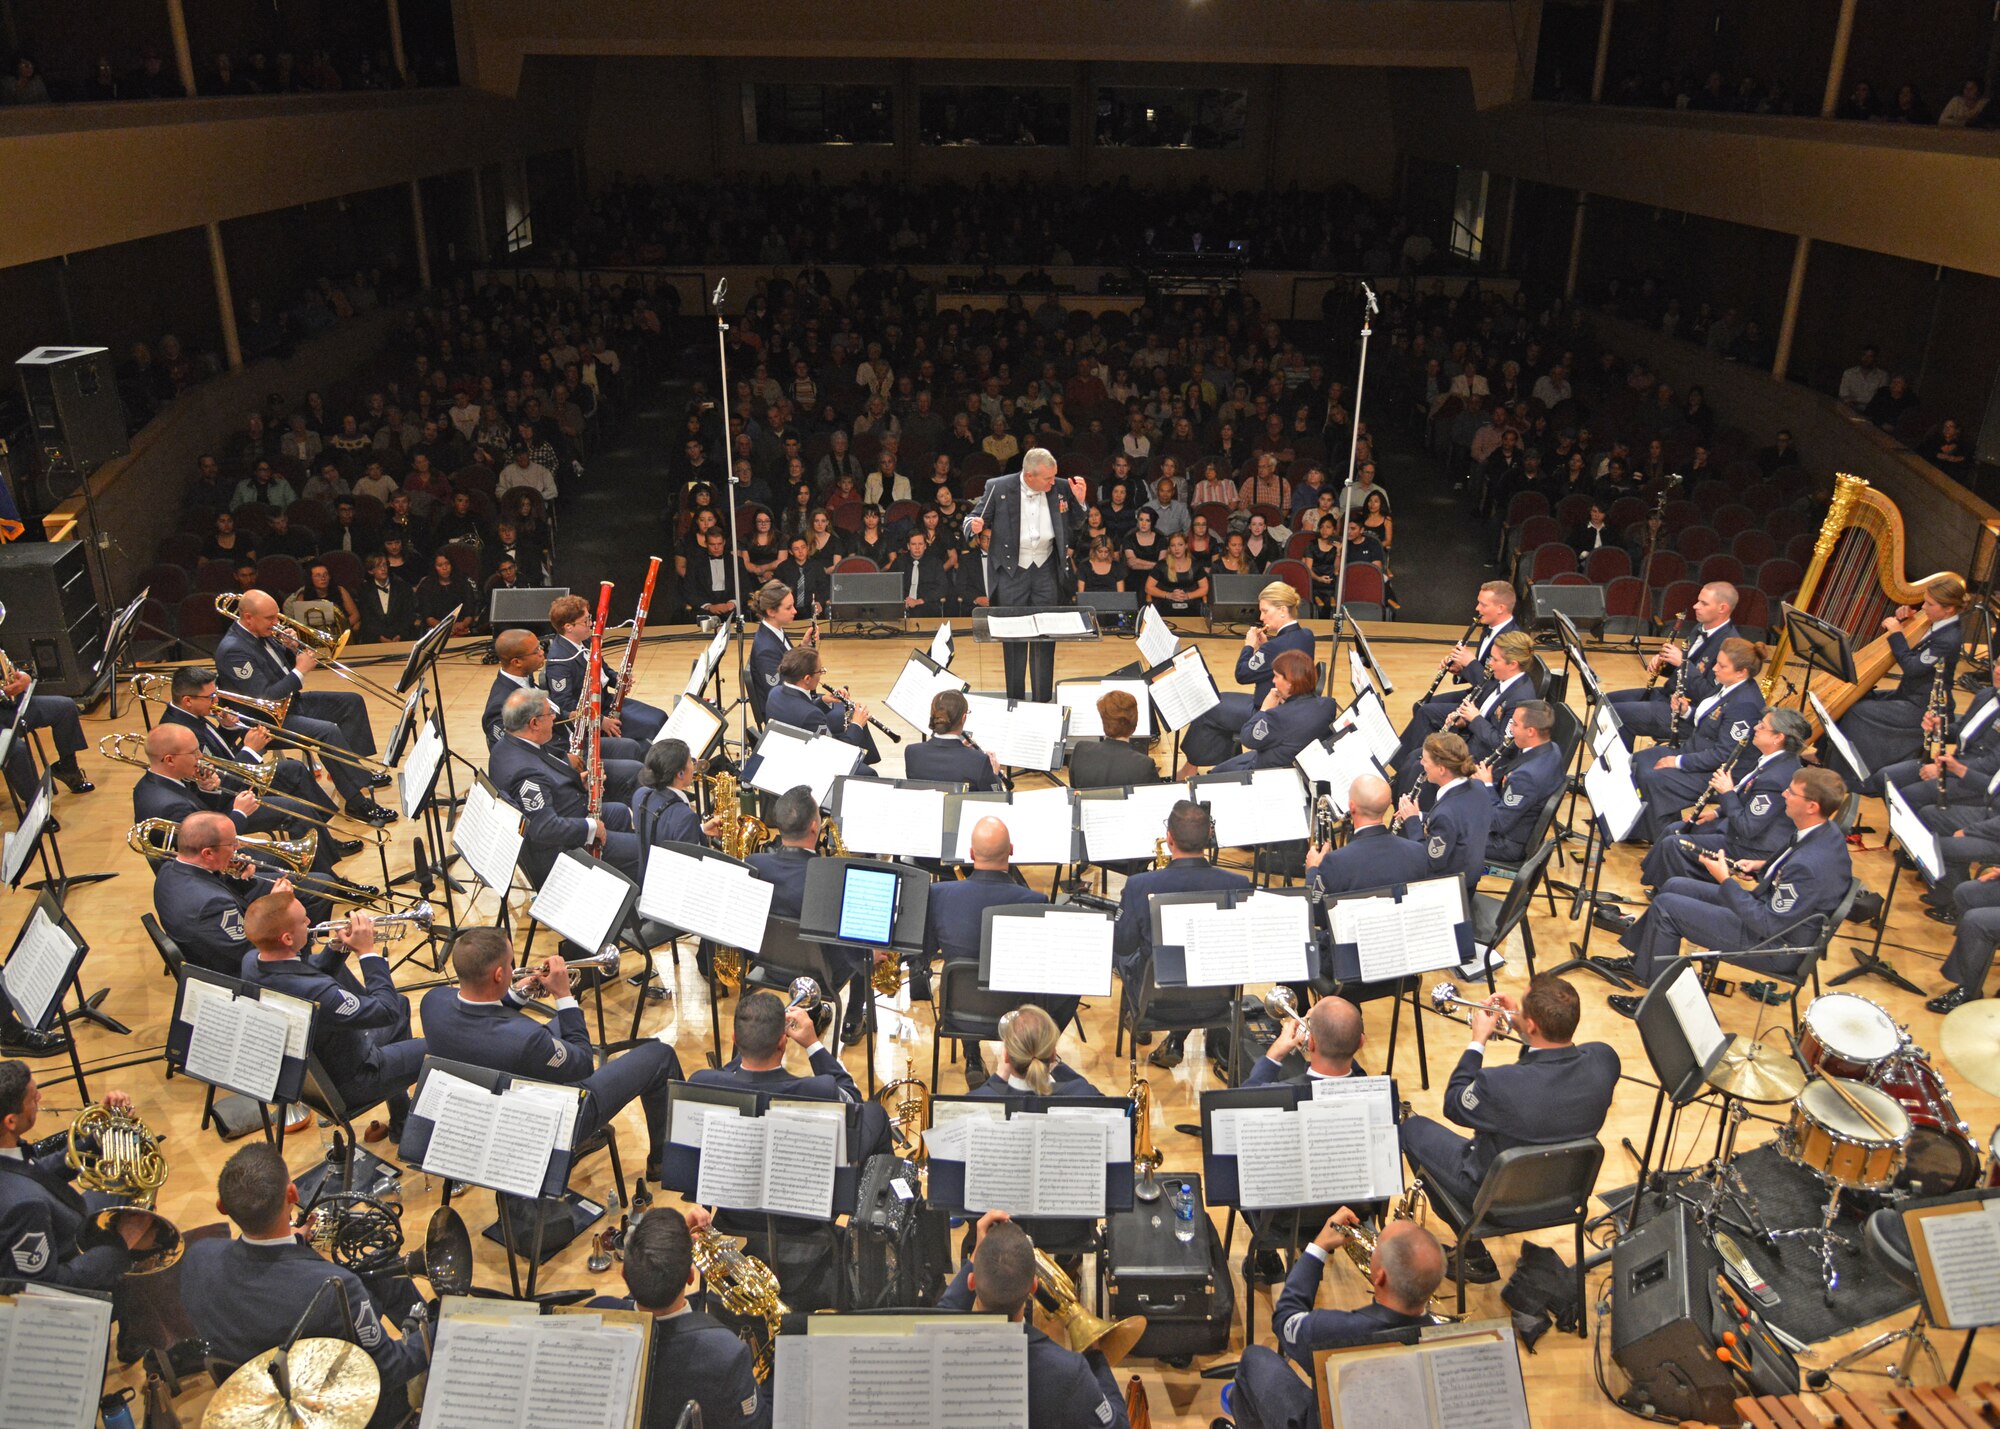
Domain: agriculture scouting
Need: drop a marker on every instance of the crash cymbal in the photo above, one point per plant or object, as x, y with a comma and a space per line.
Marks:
1757, 1072
334, 1386
1972, 1043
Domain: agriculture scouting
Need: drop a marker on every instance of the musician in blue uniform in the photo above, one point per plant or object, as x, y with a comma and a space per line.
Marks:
246, 1294
1033, 518
481, 1022
1974, 906
1967, 770
777, 611
948, 755
1746, 819
1189, 833
534, 778
1290, 717
695, 1357
1329, 1034
199, 906
1795, 893
58, 715
1523, 782
955, 914
41, 1214
520, 661
1211, 738
1029, 1064
1405, 1271
1719, 735
252, 660
784, 866
1480, 719
1372, 857
231, 737
362, 1034
568, 673
663, 808
1650, 712
1454, 830
1115, 761
1555, 1091
798, 701
1492, 617
1066, 1390
1886, 726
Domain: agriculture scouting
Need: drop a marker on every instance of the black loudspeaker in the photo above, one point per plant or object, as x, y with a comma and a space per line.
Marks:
53, 625
1660, 1316
73, 405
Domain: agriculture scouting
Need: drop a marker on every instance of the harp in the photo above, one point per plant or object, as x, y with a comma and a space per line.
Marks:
1854, 580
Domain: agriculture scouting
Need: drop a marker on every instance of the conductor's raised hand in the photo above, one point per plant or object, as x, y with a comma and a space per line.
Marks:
974, 525
1078, 489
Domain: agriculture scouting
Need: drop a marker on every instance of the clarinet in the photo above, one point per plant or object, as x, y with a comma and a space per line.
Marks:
1689, 846
1653, 679
1006, 779
1674, 732
1416, 793
1940, 706
1445, 664
1500, 751
1709, 794
1453, 721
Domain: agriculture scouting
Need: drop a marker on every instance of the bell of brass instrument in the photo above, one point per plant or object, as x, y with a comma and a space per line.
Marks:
154, 839
805, 994
908, 1102
325, 644
1445, 995
1163, 853
1060, 1315
365, 1235
605, 960
1146, 1157
389, 927
739, 835
745, 1286
1281, 1004
115, 1152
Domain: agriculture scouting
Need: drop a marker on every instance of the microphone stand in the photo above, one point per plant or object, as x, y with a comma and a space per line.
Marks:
735, 551
1368, 310
281, 1363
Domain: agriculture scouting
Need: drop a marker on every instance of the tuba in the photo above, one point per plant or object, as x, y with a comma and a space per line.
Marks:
114, 1152
745, 1286
1060, 1315
739, 836
1146, 1158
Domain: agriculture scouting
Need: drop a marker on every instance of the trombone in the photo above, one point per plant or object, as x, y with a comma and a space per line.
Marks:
157, 690
1446, 995
154, 840
258, 777
324, 645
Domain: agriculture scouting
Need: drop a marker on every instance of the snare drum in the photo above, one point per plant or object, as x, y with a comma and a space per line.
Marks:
1845, 1035
1829, 1138
1942, 1155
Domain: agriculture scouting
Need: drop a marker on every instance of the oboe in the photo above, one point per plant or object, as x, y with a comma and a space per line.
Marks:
1445, 664
1709, 794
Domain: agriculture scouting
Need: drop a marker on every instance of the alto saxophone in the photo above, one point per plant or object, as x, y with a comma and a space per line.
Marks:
1163, 853
739, 836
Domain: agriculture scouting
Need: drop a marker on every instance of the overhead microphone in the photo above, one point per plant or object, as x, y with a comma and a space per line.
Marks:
1373, 306
722, 291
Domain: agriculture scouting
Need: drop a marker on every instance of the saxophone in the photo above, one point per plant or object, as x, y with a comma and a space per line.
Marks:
1163, 853
1146, 1158
739, 836
746, 1287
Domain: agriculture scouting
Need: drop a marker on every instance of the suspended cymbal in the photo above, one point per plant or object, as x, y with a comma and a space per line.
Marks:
1972, 1043
334, 1386
1757, 1072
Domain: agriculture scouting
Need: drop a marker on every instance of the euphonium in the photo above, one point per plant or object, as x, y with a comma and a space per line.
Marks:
745, 1286
1146, 1158
739, 835
1060, 1315
114, 1152
908, 1102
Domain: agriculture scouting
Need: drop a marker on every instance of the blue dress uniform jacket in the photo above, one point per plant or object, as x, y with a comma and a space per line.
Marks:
244, 1300
785, 868
1066, 1390
505, 687
1794, 894
950, 760
245, 665
265, 669
1064, 1082
157, 797
1980, 754
568, 671
1751, 823
787, 704
1272, 738
361, 1035
1474, 670
203, 913
767, 648
1651, 713
1886, 726
40, 1216
1302, 1329
1372, 857
1919, 662
538, 781
1454, 833
501, 1036
1716, 733
665, 816
696, 1357
292, 776
1110, 764
1548, 1095
1485, 731
1132, 942
1211, 738
1521, 786
1255, 667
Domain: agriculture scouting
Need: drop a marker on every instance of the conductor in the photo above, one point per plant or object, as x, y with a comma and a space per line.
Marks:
1032, 520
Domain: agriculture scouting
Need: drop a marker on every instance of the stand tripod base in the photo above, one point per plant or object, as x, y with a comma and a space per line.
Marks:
1869, 964
1827, 1238
1913, 1339
1579, 959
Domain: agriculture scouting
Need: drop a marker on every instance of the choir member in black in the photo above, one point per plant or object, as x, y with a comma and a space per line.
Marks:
1523, 783
1177, 586
1324, 555
972, 581
925, 586
1650, 712
777, 610
1114, 761
1886, 725
1719, 731
443, 592
805, 577
873, 542
710, 585
388, 605
1100, 569
948, 755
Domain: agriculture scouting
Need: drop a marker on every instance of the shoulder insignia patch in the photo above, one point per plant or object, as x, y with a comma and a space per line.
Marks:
558, 1054
1256, 661
367, 1328
1435, 848
532, 797
243, 671
1740, 731
1783, 897
1512, 798
349, 1004
1469, 1099
232, 924
1103, 1411
772, 679
31, 1253
559, 685
1929, 657
1760, 805
749, 1406
1261, 729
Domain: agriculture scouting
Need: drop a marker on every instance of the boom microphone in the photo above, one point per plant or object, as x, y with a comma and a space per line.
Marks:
722, 291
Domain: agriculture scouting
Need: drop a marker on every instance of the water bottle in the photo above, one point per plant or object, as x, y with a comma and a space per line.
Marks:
1184, 1212
115, 1409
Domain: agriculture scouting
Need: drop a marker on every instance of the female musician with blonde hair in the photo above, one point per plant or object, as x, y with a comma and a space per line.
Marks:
1029, 1065
1886, 726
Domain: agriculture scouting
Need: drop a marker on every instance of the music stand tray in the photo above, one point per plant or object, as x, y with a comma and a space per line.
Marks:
1824, 645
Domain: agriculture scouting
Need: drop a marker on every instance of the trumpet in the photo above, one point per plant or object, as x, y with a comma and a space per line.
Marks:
390, 927
1280, 1002
605, 960
805, 994
1146, 1157
324, 645
1445, 995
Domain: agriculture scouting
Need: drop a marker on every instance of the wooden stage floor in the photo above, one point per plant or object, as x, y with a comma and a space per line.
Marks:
1560, 1380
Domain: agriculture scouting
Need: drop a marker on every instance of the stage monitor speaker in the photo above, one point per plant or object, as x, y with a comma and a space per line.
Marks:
523, 607
1233, 597
73, 405
1583, 604
1660, 1316
54, 626
875, 596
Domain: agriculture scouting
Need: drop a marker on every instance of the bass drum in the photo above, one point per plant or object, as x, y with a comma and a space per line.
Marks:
1941, 1156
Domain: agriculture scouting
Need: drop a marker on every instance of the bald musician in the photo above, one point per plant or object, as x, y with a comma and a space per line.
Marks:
953, 923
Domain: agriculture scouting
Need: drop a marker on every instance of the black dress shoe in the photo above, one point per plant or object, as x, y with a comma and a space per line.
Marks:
379, 781
1623, 1006
1613, 920
1269, 1266
72, 777
1167, 1054
1948, 999
26, 1042
370, 812
1479, 1266
976, 1075
1947, 916
1629, 967
347, 848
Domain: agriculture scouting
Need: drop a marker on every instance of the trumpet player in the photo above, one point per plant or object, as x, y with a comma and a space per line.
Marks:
481, 1022
252, 660
41, 1214
1556, 1091
1329, 1034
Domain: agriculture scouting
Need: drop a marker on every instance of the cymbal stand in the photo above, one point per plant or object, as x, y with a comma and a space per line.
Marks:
1827, 1239
1719, 1180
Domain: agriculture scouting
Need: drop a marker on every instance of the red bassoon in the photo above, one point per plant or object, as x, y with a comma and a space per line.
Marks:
632, 644
593, 733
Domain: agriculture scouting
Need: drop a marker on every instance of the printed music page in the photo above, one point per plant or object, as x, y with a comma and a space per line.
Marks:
1069, 1165
480, 1374
1041, 823
914, 689
1338, 1153
525, 1131
1839, 737
1691, 1010
1612, 798
1024, 734
1358, 678
297, 1013
17, 847
951, 1376
237, 1045
1129, 826
707, 897
1280, 928
981, 1373
824, 758
1061, 951
420, 769
1116, 1123
698, 673
1476, 1384
878, 816
834, 1114
1270, 1160
1219, 944
1062, 622
689, 1116
479, 1137
1185, 691
562, 1102
1080, 698
1368, 1393
1157, 641
1012, 627
1270, 807
1914, 835
589, 1378
438, 1085
734, 1150
54, 1348
1367, 715
1376, 1097
799, 1165
581, 900
942, 643
1965, 1262
1339, 764
781, 761
488, 836
693, 724
995, 1153
35, 974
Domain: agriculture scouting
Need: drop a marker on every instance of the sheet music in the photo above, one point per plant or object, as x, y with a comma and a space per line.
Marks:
1839, 737
1061, 951
1115, 1120
777, 1162
1270, 807
1270, 1159
916, 686
710, 897
533, 1371
581, 899
1378, 1390
563, 1102
719, 646
1357, 674
437, 1086
1692, 1012
1339, 1157
688, 1126
488, 836
1012, 627
941, 1374
1080, 698
498, 1141
420, 769
1338, 1148
1395, 939
698, 674
1911, 832
1613, 798
1965, 1262
1185, 691
693, 724
834, 1114
1040, 822
1024, 735
1339, 764
1476, 1384
1367, 715
1604, 730
785, 760
881, 816
943, 645
38, 967
53, 1348
734, 1150
17, 847
1157, 641
1128, 827
1063, 1158
1377, 1097
238, 1045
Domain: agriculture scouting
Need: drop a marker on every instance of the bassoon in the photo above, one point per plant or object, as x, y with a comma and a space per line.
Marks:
632, 645
593, 732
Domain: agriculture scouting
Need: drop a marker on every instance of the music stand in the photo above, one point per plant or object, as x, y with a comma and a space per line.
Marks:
1869, 962
49, 917
1679, 1067
1367, 658
117, 639
425, 650
1825, 646
824, 919
1596, 844
37, 829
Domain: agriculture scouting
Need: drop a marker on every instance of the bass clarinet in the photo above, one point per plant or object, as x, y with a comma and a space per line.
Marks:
631, 659
1445, 664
